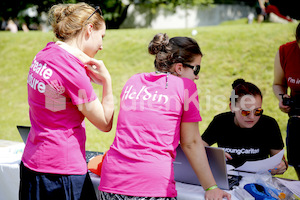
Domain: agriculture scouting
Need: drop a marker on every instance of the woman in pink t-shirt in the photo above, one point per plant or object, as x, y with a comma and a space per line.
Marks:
60, 96
158, 110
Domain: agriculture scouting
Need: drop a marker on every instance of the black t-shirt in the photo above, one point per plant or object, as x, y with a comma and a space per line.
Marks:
244, 144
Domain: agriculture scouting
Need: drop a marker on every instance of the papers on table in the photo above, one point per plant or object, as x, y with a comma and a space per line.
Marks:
262, 165
293, 186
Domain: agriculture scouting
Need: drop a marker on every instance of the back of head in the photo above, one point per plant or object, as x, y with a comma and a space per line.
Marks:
174, 50
68, 20
242, 88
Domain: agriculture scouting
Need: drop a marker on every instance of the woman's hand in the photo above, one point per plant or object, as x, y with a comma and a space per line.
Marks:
279, 169
216, 194
283, 108
228, 156
283, 165
97, 71
100, 113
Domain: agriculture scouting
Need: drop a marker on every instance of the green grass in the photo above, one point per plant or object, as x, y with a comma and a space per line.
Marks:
230, 51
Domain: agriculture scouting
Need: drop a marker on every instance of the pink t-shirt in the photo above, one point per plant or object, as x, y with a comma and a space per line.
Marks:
57, 82
139, 162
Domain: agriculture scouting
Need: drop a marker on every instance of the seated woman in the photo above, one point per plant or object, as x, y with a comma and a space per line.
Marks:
245, 133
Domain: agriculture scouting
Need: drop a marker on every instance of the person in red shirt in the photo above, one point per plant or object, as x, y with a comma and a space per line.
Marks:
287, 75
265, 9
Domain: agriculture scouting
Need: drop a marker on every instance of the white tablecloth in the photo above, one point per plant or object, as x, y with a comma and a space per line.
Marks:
9, 181
184, 191
10, 157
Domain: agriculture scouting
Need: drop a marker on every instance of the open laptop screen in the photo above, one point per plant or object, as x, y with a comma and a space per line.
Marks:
184, 172
24, 131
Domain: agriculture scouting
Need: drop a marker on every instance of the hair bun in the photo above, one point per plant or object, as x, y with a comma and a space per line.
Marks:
237, 82
159, 43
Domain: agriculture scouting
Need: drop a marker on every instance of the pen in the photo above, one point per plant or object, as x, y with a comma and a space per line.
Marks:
243, 171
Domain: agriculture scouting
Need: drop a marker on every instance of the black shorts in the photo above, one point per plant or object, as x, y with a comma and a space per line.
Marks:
259, 11
292, 141
42, 186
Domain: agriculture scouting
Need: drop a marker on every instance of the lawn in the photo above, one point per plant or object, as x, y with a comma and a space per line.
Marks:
230, 51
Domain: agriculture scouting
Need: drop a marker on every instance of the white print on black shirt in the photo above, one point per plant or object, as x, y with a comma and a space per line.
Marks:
241, 151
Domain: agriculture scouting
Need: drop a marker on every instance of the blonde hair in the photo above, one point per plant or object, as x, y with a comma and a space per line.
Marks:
68, 20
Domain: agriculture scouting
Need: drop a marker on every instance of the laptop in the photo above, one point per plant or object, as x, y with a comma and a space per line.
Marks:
184, 172
24, 132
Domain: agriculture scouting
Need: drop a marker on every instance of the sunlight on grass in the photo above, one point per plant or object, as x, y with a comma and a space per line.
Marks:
230, 52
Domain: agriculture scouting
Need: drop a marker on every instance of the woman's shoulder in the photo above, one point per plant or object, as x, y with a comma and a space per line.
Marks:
267, 119
225, 116
61, 61
52, 50
137, 76
289, 45
172, 79
185, 80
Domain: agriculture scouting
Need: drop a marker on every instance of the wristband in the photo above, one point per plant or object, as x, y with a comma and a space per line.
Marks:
212, 187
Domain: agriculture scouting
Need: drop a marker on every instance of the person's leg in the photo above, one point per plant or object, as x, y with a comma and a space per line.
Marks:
292, 143
82, 187
28, 184
274, 9
260, 18
260, 14
275, 19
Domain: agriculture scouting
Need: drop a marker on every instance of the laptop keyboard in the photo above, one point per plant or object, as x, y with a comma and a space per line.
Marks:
91, 154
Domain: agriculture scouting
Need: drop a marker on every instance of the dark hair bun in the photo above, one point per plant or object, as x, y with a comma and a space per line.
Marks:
158, 43
237, 82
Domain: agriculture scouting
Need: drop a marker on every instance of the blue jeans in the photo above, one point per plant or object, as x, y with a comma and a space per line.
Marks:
42, 186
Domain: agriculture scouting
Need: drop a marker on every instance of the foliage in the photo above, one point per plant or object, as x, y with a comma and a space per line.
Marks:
115, 11
230, 52
10, 9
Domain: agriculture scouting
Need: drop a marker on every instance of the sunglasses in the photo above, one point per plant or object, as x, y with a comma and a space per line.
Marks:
97, 9
257, 112
196, 68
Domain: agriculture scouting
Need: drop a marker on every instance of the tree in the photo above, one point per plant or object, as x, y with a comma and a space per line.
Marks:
114, 11
10, 9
